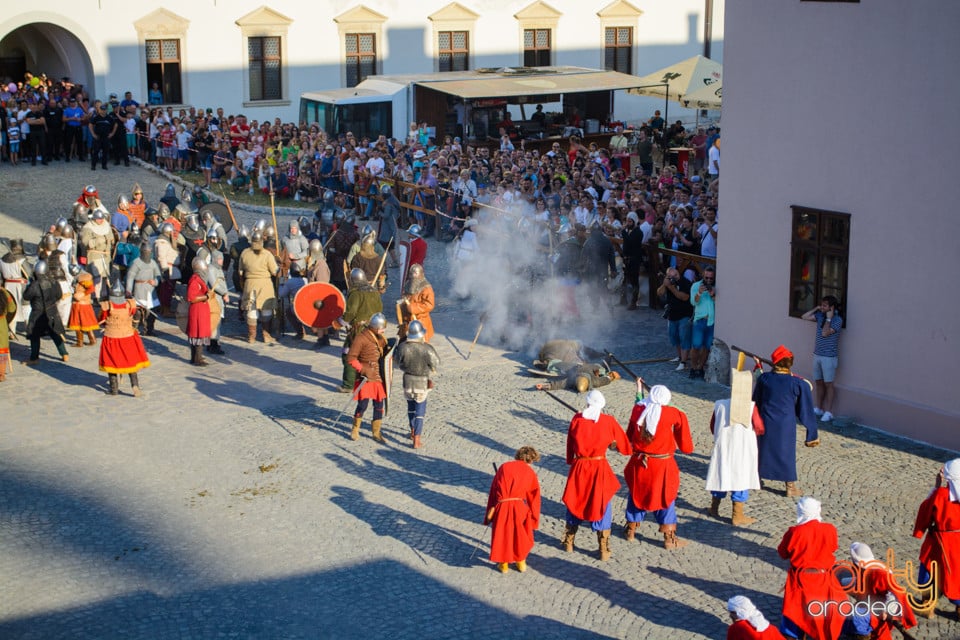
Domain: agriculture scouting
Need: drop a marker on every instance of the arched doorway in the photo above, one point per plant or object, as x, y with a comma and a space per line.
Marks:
45, 48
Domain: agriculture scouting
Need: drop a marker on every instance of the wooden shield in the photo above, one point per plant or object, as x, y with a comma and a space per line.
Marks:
318, 304
6, 298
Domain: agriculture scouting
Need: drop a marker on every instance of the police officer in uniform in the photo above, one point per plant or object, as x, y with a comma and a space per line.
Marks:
104, 129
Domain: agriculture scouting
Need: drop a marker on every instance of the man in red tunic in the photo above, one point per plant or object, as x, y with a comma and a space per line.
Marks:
812, 593
748, 622
591, 483
656, 431
513, 509
418, 246
879, 602
939, 519
121, 350
198, 320
366, 356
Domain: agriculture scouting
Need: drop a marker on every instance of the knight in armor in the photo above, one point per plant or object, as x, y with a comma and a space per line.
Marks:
419, 362
339, 249
193, 237
59, 270
288, 291
418, 246
210, 223
366, 357
82, 318
121, 350
168, 259
143, 276
257, 268
97, 241
127, 250
16, 273
43, 294
363, 301
151, 224
90, 198
368, 260
217, 282
198, 318
598, 263
170, 197
389, 215
121, 218
581, 378
566, 268
558, 356
68, 244
319, 271
417, 303
326, 213
367, 234
296, 246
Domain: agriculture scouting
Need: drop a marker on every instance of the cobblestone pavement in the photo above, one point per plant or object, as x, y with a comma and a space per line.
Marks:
227, 502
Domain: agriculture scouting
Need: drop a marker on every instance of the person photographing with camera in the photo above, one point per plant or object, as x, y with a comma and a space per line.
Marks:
675, 291
704, 295
825, 353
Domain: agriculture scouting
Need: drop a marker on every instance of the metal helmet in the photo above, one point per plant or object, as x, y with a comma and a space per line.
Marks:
256, 240
61, 224
169, 191
350, 219
295, 270
67, 232
163, 210
245, 231
40, 269
416, 331
213, 235
260, 225
50, 242
368, 240
304, 225
197, 191
74, 270
181, 212
80, 211
136, 189
90, 191
146, 251
199, 265
98, 215
328, 196
367, 229
315, 245
193, 223
416, 272
385, 189
167, 228
207, 217
134, 229
378, 321
415, 230
123, 201
268, 232
117, 293
185, 196
357, 277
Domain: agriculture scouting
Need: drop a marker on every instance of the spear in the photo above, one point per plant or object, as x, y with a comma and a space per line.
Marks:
229, 208
483, 318
625, 368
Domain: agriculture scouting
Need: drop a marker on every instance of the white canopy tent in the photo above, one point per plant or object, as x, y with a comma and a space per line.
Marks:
708, 97
679, 80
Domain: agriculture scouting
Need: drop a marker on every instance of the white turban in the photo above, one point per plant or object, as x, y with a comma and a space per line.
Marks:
861, 553
659, 397
745, 610
951, 473
595, 404
807, 509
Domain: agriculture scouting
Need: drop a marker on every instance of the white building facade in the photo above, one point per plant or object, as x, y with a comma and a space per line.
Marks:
258, 58
838, 168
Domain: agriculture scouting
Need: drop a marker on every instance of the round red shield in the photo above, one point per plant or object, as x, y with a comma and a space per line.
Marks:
318, 304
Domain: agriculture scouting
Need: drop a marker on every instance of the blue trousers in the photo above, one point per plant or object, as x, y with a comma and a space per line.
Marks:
603, 524
362, 408
415, 413
923, 577
662, 516
736, 496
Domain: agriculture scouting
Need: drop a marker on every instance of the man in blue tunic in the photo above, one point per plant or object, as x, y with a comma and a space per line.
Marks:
783, 399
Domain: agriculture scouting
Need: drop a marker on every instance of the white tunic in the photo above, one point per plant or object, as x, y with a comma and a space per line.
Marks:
733, 465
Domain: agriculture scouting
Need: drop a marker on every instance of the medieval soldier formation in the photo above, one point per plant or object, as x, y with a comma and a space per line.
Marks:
124, 274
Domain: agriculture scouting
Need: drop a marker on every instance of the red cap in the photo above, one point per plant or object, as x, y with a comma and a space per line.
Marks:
780, 353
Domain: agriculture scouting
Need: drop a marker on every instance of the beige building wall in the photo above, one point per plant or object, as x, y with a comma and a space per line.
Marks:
849, 107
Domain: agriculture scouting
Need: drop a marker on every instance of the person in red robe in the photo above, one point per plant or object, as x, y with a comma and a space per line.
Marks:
513, 510
875, 591
939, 520
198, 319
591, 483
656, 431
812, 593
121, 350
418, 246
748, 623
368, 356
